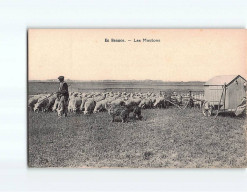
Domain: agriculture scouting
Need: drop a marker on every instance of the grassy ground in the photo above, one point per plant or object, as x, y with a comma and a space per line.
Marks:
168, 138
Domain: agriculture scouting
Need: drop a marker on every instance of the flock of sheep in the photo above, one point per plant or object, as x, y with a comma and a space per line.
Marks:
94, 102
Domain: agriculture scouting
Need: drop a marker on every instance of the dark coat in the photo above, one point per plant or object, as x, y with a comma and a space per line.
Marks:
63, 90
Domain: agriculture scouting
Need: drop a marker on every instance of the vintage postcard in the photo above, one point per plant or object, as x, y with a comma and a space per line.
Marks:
137, 98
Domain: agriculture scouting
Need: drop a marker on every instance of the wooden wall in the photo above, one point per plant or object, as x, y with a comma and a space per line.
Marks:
235, 93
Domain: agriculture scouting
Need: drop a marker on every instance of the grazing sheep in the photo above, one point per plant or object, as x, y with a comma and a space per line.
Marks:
83, 101
146, 103
133, 102
74, 104
198, 103
159, 102
33, 100
117, 102
99, 98
40, 105
51, 101
100, 106
89, 106
55, 105
89, 102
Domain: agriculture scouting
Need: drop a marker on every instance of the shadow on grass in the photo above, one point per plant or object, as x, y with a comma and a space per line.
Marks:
231, 115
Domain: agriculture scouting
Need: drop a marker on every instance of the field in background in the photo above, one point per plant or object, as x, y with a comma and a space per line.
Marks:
49, 87
168, 138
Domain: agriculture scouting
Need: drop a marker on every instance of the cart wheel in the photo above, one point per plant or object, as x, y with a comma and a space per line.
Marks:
207, 109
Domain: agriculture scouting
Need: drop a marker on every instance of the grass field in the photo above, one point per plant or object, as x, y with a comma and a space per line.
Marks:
50, 87
168, 138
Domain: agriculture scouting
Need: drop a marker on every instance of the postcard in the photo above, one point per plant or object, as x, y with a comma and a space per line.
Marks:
137, 98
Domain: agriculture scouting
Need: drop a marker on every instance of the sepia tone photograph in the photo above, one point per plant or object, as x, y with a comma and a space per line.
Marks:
137, 98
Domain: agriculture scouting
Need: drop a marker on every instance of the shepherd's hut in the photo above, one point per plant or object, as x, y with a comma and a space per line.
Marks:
225, 92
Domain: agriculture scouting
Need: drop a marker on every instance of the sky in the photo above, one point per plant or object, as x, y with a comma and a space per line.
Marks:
181, 54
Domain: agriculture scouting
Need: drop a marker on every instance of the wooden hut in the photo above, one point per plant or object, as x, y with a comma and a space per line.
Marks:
225, 92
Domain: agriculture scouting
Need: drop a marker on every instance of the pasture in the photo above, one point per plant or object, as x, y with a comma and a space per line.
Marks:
165, 138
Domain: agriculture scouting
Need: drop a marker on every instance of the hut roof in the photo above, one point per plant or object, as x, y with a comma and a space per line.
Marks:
221, 80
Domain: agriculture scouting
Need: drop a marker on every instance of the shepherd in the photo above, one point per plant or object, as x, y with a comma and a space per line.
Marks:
63, 96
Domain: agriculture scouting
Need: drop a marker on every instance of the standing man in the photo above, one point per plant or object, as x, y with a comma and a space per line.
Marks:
191, 102
63, 96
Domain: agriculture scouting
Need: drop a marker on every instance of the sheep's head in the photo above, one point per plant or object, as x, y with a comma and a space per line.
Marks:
59, 112
85, 112
109, 108
36, 107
